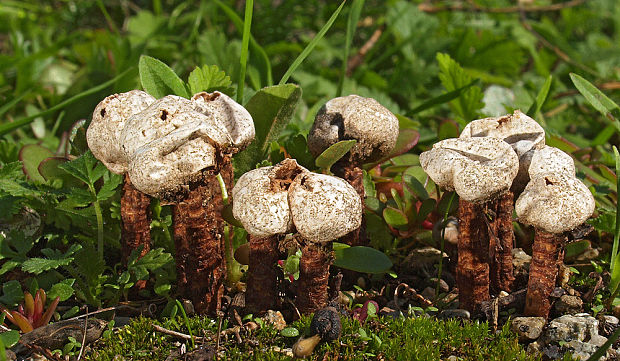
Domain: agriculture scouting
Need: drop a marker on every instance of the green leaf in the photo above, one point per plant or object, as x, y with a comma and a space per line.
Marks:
271, 108
31, 156
55, 259
453, 77
290, 332
308, 49
362, 259
394, 217
594, 96
159, 80
208, 79
63, 289
11, 293
540, 98
85, 168
352, 20
615, 256
12, 181
333, 154
245, 42
297, 148
9, 338
109, 187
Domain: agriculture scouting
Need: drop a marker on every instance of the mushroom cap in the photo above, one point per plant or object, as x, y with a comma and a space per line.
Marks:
162, 166
230, 114
551, 160
523, 133
109, 117
165, 116
260, 199
555, 203
324, 207
353, 117
326, 323
478, 169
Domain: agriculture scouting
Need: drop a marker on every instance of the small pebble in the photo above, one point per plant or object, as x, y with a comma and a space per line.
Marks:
611, 319
455, 313
528, 328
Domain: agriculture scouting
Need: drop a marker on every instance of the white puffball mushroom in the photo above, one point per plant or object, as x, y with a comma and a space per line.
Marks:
555, 203
229, 114
260, 199
523, 133
324, 207
109, 117
353, 117
163, 117
551, 160
478, 169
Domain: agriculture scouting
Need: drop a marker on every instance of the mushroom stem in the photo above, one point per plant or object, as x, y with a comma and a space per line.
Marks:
304, 346
200, 259
313, 277
136, 220
543, 272
501, 245
473, 253
262, 294
353, 173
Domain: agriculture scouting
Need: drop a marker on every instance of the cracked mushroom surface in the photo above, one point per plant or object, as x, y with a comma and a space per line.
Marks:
260, 203
476, 168
323, 208
354, 117
109, 117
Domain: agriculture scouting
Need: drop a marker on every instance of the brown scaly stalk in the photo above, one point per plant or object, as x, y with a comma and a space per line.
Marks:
473, 250
313, 275
136, 220
261, 293
201, 268
543, 272
502, 275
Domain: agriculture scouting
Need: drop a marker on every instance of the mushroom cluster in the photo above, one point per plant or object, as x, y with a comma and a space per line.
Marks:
374, 128
493, 160
173, 149
273, 201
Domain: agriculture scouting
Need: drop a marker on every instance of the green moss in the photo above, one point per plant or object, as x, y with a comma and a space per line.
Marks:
385, 338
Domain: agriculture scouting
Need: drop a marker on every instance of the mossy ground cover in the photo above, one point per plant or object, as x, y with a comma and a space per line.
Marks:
404, 338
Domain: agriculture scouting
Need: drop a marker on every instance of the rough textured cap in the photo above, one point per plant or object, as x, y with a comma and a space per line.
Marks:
230, 115
164, 117
260, 199
551, 160
353, 117
324, 207
478, 169
523, 133
109, 117
161, 167
555, 203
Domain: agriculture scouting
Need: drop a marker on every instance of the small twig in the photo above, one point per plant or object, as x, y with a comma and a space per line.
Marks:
473, 7
414, 295
219, 334
83, 336
357, 60
177, 334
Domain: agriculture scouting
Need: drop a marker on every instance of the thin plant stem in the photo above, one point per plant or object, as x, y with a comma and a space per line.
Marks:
186, 320
99, 229
352, 20
443, 232
107, 17
245, 43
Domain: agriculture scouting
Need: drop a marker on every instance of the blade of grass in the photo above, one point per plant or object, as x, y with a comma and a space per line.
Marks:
245, 41
308, 49
186, 320
354, 16
232, 15
7, 127
6, 107
597, 98
603, 349
443, 98
540, 98
614, 250
107, 17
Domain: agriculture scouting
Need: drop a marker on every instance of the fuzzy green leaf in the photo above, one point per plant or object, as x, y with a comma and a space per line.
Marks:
63, 289
394, 217
208, 79
271, 108
38, 265
453, 77
11, 293
12, 181
85, 168
333, 154
595, 97
362, 259
31, 156
159, 80
9, 338
109, 187
540, 98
